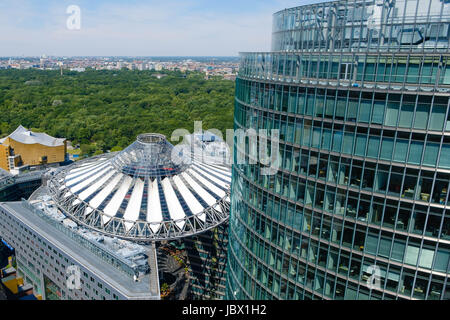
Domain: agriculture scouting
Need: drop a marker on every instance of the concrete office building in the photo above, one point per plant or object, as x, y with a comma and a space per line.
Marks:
359, 90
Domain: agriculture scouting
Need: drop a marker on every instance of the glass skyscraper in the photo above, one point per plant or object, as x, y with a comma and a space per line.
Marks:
359, 208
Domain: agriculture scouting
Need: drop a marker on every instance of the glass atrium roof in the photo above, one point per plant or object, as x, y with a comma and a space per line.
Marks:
146, 192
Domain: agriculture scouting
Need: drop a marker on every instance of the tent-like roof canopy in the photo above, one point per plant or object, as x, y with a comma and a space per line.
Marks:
146, 192
25, 136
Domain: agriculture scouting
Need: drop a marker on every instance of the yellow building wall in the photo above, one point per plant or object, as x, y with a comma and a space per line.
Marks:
11, 285
31, 154
4, 154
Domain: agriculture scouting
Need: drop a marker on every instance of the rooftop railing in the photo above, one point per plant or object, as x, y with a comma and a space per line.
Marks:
96, 248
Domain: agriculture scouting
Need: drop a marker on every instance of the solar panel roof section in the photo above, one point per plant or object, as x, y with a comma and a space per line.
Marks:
143, 185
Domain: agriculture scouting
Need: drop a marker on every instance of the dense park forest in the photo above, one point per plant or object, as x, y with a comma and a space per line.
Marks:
105, 110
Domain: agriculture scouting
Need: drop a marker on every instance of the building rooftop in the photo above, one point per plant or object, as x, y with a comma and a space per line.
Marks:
56, 233
149, 191
4, 175
25, 136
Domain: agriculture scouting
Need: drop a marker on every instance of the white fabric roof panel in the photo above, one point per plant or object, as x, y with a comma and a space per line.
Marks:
134, 205
188, 197
221, 171
85, 174
209, 199
101, 196
83, 167
94, 187
113, 206
88, 181
210, 175
176, 211
154, 212
207, 184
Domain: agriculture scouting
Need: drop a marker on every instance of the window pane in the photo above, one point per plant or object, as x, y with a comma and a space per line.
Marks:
415, 152
316, 138
398, 251
444, 161
310, 104
306, 134
385, 247
413, 71
437, 118
426, 258
378, 112
401, 150
364, 110
348, 143
360, 148
340, 108
374, 143
386, 148
412, 253
371, 244
301, 103
326, 139
391, 114
352, 110
406, 116
422, 113
337, 141
441, 263
431, 153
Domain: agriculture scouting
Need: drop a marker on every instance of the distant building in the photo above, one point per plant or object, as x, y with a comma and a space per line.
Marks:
24, 148
160, 76
78, 69
231, 77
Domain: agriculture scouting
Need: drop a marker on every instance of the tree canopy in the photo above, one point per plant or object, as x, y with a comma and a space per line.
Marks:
104, 110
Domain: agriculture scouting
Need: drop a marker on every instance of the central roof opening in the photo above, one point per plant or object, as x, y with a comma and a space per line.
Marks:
150, 156
151, 138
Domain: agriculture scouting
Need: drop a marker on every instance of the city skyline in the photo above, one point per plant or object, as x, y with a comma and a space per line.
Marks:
138, 28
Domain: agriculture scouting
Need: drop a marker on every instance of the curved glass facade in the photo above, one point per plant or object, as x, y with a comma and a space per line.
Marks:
360, 93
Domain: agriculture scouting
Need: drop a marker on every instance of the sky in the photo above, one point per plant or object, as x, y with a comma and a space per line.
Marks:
138, 27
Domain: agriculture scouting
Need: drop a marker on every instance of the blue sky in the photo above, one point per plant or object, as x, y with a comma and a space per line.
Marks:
139, 27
